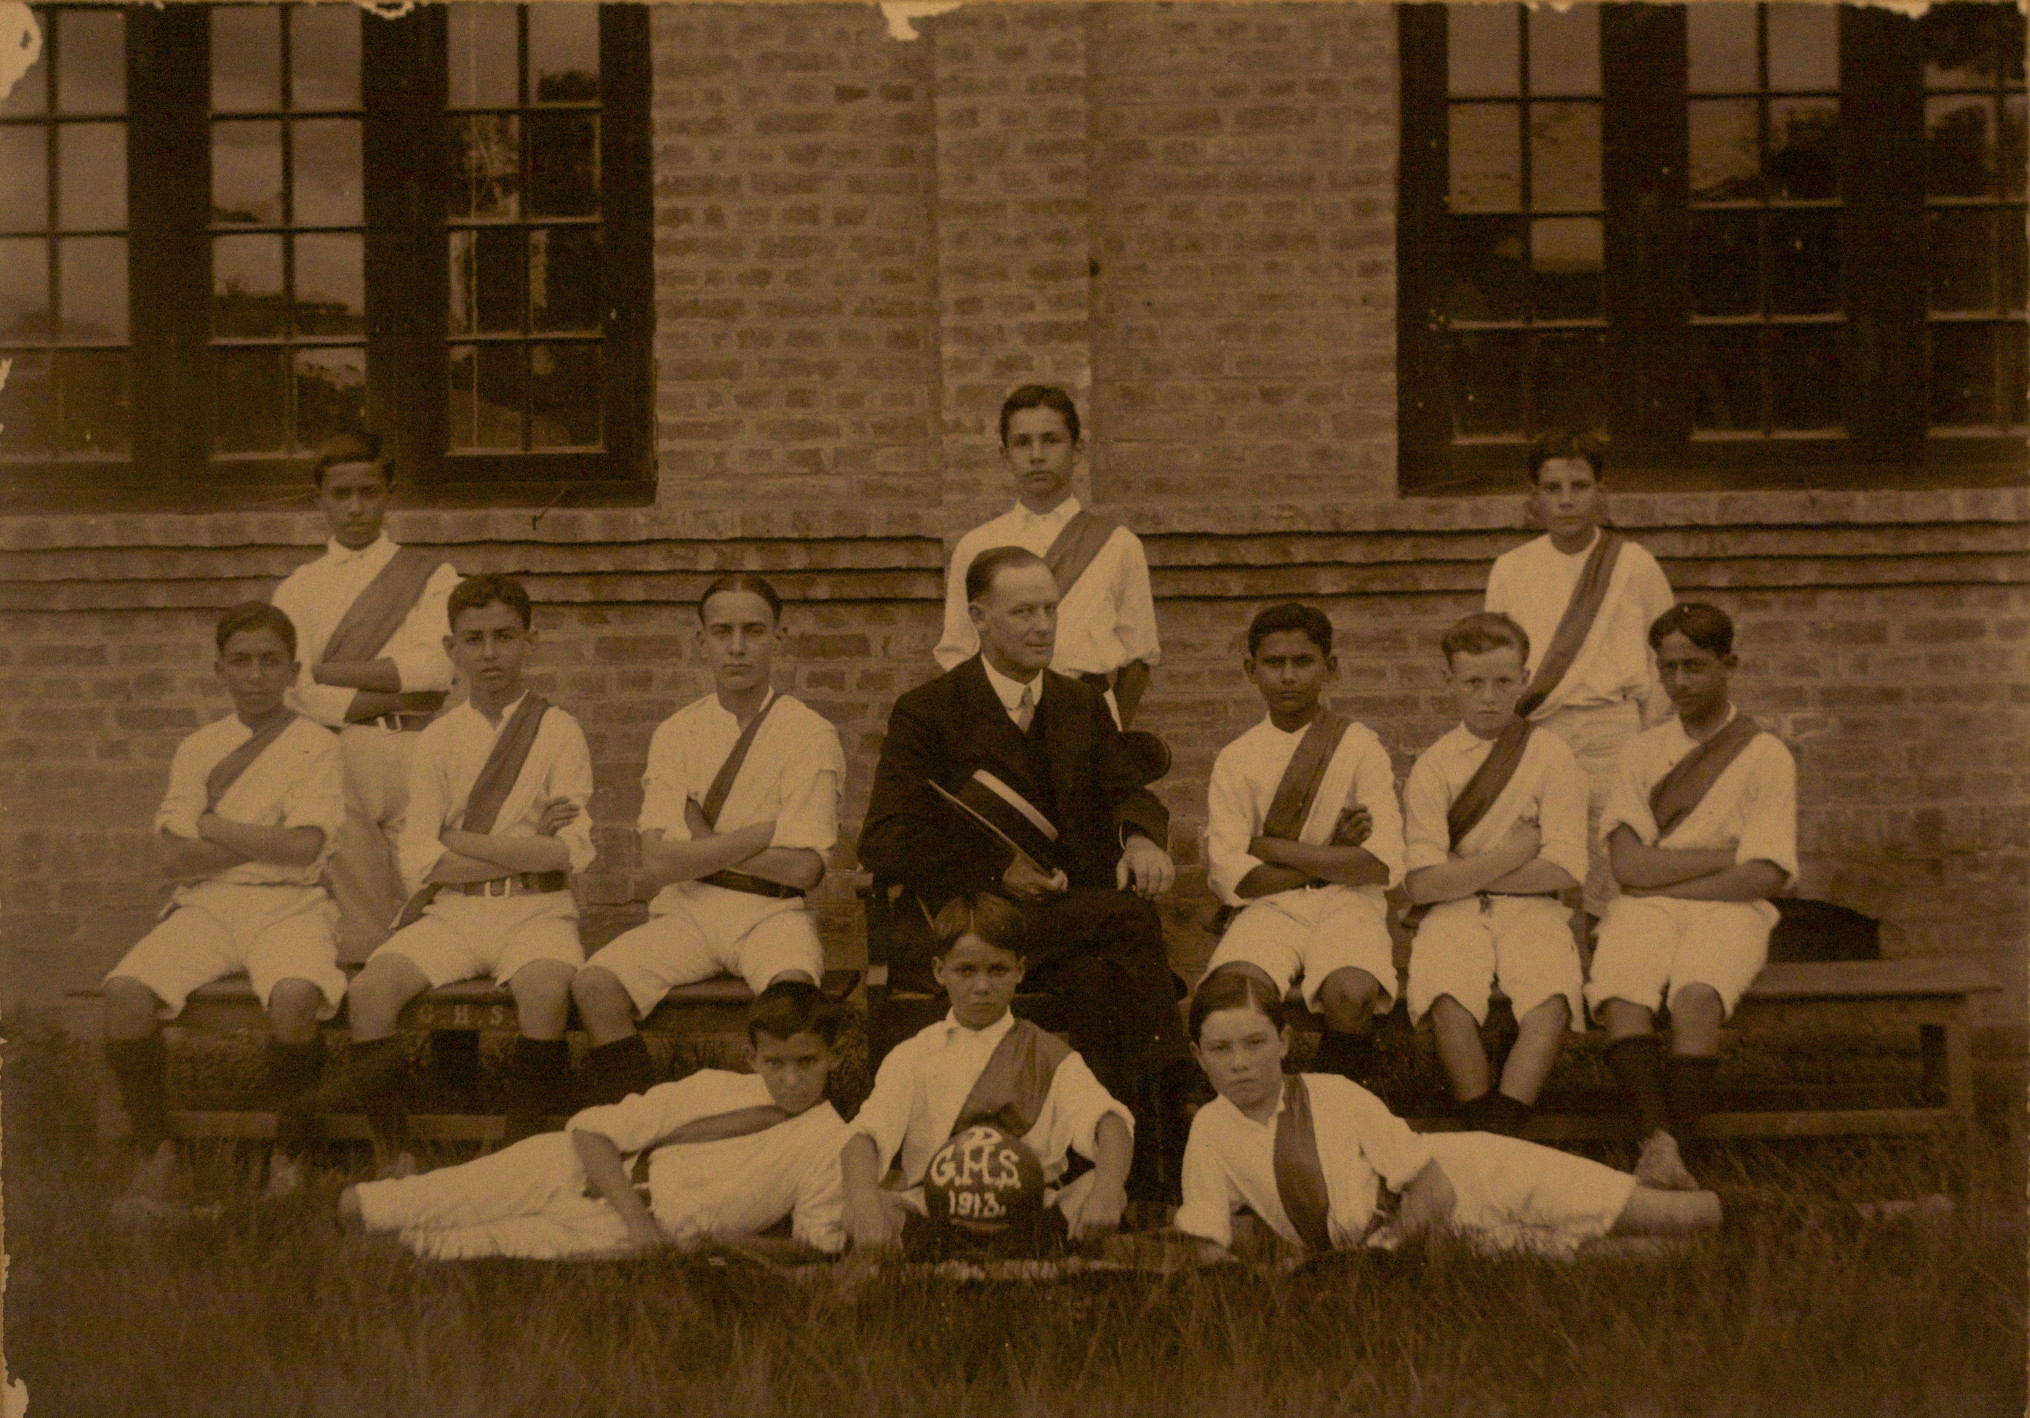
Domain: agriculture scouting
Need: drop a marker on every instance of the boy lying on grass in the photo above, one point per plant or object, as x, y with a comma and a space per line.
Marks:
1310, 1155
714, 1156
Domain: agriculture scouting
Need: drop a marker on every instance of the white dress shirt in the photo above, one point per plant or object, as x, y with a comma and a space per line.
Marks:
448, 757
1010, 692
926, 1079
298, 781
1548, 788
316, 597
1533, 584
1107, 619
1243, 784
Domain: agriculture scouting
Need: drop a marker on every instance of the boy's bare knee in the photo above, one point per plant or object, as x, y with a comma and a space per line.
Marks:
1625, 1020
1696, 1015
375, 998
1347, 1000
542, 991
130, 1008
293, 1006
348, 1208
1554, 1012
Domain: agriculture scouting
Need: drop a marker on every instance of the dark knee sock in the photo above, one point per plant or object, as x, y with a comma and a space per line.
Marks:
141, 1069
617, 1069
375, 1083
1690, 1090
294, 1071
1637, 1063
1348, 1055
1507, 1115
537, 1073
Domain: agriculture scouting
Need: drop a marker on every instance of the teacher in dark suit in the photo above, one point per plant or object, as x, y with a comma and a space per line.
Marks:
1004, 719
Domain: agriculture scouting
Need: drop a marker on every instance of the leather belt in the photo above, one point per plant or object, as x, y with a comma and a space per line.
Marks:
753, 885
402, 723
1487, 898
523, 883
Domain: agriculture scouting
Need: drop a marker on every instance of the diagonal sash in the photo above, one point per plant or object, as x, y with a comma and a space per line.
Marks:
1489, 780
378, 611
227, 770
1588, 595
1683, 788
1077, 543
722, 781
1012, 1089
740, 1122
1298, 787
1300, 1176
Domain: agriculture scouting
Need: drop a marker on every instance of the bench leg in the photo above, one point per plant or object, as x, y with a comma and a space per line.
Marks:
1931, 1040
454, 1062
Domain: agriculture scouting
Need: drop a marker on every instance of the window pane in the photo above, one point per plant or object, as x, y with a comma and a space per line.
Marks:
1804, 262
1483, 50
1568, 255
563, 53
1804, 47
564, 396
1564, 156
1804, 377
1487, 383
1725, 162
246, 58
1565, 51
331, 284
91, 74
1962, 376
486, 396
327, 172
1487, 277
1959, 142
24, 179
27, 402
1960, 246
91, 275
246, 172
1720, 49
1486, 158
324, 56
246, 283
250, 399
91, 176
30, 93
564, 279
486, 166
1962, 44
2015, 374
2011, 155
331, 393
1804, 153
487, 295
92, 392
1726, 265
1565, 380
482, 63
563, 164
24, 289
1727, 379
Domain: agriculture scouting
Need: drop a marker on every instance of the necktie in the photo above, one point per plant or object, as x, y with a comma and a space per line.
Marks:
1025, 709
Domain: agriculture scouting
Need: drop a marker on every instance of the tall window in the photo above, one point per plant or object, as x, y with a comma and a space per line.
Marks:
1681, 228
318, 219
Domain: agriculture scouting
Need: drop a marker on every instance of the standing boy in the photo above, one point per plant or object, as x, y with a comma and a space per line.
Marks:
1106, 632
981, 1067
254, 801
370, 616
714, 1156
1496, 829
496, 824
740, 804
1585, 595
1703, 829
1303, 837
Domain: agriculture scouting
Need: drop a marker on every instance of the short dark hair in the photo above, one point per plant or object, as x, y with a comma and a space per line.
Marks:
1565, 443
742, 581
788, 1008
255, 615
990, 916
489, 588
1040, 396
1707, 627
990, 563
354, 446
1234, 988
1482, 631
1290, 615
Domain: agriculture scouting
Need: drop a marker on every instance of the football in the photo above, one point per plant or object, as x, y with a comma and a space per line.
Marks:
984, 1181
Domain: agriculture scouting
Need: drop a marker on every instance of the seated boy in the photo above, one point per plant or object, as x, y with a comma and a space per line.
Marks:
1303, 835
254, 802
1310, 1154
982, 1066
715, 1156
495, 825
1702, 829
1495, 828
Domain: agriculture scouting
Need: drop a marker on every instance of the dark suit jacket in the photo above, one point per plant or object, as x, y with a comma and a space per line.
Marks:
945, 729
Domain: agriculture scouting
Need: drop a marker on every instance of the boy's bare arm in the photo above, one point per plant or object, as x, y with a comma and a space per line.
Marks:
603, 1169
282, 846
665, 861
1647, 868
372, 703
1463, 876
1348, 866
381, 676
1107, 1199
873, 1226
184, 858
1427, 1202
1744, 881
455, 868
787, 866
541, 852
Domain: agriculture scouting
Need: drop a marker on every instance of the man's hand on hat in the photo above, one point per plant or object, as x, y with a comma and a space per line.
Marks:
1026, 882
1146, 866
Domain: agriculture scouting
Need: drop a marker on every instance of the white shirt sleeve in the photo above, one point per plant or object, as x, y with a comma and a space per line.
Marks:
1396, 1152
1652, 592
819, 1216
1561, 812
1134, 603
570, 778
315, 797
1769, 808
809, 816
1500, 595
1229, 828
885, 1115
184, 803
663, 789
1628, 801
1427, 835
417, 646
1209, 1195
419, 840
1374, 787
960, 641
1083, 1101
325, 703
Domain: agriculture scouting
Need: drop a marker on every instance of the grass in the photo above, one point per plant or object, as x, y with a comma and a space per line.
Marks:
1798, 1309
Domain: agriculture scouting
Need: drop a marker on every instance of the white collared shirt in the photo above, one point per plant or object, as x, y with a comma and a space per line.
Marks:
1230, 1162
1107, 619
1533, 584
1751, 809
926, 1079
298, 781
1548, 788
316, 597
1010, 691
448, 757
1243, 784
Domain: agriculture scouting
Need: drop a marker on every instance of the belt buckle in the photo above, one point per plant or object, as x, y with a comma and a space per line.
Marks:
506, 884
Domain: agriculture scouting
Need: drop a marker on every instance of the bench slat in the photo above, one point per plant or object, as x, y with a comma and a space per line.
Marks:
1870, 979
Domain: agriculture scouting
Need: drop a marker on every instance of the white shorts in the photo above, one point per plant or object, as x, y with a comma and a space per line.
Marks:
526, 1200
215, 929
462, 937
1515, 1195
1653, 946
708, 930
1311, 932
1523, 942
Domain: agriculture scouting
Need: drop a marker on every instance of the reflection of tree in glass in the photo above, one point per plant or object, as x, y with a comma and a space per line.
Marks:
571, 86
1958, 159
1803, 150
1962, 44
487, 151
